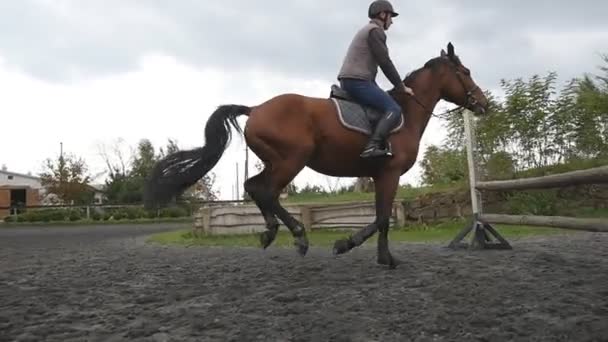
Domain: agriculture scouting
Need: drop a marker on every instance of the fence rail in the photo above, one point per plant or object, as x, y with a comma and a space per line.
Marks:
587, 224
481, 227
590, 176
247, 218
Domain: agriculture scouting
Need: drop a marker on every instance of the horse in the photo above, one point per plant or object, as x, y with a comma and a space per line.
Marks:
291, 131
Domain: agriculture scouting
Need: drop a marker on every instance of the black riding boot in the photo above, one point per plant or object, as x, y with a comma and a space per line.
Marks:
377, 145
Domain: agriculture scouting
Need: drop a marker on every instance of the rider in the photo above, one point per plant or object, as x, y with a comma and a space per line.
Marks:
357, 76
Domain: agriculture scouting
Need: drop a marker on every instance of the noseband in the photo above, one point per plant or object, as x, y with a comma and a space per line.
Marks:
470, 100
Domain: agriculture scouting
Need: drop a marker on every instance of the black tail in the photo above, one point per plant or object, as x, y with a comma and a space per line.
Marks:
178, 171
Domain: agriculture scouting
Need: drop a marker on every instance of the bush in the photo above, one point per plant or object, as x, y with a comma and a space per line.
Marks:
75, 215
151, 214
173, 212
119, 215
544, 203
95, 216
107, 215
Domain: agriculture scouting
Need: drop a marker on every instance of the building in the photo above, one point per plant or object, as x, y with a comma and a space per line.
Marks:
18, 190
21, 190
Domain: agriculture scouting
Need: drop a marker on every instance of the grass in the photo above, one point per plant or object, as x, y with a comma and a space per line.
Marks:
402, 193
440, 233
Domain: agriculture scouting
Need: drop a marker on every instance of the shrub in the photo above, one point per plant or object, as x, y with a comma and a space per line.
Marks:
95, 216
545, 203
173, 212
75, 215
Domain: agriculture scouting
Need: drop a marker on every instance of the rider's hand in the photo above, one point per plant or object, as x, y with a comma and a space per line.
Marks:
409, 90
406, 89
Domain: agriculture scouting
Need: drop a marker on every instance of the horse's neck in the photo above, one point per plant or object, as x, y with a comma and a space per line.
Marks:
426, 90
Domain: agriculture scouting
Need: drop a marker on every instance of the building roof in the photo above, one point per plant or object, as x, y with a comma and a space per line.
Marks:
9, 173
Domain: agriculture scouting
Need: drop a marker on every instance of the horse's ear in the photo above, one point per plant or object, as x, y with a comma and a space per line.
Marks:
450, 49
443, 54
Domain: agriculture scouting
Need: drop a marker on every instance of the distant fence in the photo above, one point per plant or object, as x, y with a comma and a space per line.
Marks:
598, 175
246, 218
242, 216
92, 211
243, 219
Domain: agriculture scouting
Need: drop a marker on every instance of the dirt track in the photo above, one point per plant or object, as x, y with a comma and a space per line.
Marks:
105, 284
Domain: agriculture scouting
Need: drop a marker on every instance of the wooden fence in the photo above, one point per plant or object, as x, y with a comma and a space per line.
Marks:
598, 175
590, 176
242, 219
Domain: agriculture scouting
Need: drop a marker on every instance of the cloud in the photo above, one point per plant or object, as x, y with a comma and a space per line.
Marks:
157, 69
70, 40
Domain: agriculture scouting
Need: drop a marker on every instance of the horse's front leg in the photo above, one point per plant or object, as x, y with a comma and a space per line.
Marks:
355, 240
386, 188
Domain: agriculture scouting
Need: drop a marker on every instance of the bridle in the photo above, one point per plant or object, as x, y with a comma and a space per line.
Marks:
470, 98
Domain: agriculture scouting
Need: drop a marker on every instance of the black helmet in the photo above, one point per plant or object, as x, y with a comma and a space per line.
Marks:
380, 6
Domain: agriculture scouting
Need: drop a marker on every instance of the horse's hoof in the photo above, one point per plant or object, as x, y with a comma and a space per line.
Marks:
266, 239
301, 245
388, 260
342, 246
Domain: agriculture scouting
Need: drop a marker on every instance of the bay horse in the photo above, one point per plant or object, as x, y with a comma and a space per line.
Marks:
291, 131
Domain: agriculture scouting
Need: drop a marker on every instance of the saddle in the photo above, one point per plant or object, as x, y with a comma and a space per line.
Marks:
354, 115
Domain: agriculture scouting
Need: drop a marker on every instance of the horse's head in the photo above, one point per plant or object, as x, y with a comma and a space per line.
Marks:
458, 85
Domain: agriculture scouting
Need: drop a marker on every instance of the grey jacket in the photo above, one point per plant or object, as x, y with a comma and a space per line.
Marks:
366, 52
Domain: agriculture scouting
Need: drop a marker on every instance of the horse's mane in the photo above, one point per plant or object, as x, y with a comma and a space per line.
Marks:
431, 64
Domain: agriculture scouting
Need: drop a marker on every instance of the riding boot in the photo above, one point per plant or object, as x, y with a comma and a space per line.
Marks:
377, 145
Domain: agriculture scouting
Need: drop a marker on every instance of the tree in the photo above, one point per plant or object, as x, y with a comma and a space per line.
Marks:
203, 190
499, 166
143, 160
118, 187
443, 166
171, 147
536, 126
128, 174
67, 177
363, 184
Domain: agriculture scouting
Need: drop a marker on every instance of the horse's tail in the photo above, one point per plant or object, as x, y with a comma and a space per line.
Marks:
180, 170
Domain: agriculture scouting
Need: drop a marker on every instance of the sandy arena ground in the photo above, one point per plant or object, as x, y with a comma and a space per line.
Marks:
105, 284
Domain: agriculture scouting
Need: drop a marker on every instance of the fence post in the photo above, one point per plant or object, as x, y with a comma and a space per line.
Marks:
480, 230
206, 213
400, 214
306, 213
470, 138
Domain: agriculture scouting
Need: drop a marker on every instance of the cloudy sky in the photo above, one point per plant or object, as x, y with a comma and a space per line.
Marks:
95, 74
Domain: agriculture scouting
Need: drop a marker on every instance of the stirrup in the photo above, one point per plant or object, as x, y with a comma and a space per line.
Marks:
377, 151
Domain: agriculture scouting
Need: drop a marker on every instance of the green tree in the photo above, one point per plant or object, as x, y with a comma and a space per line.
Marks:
126, 179
203, 190
144, 160
171, 147
443, 166
499, 165
125, 184
68, 178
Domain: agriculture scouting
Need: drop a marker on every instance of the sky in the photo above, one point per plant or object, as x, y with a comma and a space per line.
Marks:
100, 75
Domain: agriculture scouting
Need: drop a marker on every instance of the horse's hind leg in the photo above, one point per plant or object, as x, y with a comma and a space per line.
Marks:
281, 168
282, 173
257, 187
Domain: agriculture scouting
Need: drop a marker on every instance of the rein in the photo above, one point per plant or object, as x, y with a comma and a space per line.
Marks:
440, 116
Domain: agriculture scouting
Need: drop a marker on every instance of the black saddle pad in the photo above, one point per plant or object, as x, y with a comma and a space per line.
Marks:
356, 116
